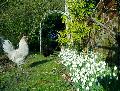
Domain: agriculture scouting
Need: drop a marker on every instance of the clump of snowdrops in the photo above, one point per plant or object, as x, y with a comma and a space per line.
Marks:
84, 69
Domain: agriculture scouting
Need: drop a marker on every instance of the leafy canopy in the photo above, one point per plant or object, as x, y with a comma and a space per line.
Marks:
76, 22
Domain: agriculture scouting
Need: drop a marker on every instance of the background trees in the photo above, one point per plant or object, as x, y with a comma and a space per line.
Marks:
90, 23
77, 24
23, 17
50, 27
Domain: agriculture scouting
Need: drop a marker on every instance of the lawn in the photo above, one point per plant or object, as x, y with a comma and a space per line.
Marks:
44, 74
40, 74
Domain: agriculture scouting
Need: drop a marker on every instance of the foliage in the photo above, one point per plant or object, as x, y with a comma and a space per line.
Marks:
23, 17
50, 26
76, 22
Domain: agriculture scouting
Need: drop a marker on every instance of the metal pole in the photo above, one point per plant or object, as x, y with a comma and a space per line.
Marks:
40, 38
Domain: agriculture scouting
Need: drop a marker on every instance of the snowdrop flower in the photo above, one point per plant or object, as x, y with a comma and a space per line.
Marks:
85, 78
84, 81
90, 84
65, 64
96, 56
77, 71
110, 77
88, 65
98, 84
115, 68
83, 66
74, 66
80, 64
75, 80
101, 77
87, 88
114, 74
77, 89
116, 78
83, 86
92, 79
96, 80
104, 75
101, 71
78, 77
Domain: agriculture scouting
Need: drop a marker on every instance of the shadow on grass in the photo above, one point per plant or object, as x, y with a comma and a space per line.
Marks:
109, 83
39, 63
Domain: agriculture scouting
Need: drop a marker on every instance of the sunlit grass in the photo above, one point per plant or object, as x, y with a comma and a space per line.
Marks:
40, 74
46, 74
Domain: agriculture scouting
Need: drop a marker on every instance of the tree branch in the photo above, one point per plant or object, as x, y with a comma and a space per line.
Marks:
98, 23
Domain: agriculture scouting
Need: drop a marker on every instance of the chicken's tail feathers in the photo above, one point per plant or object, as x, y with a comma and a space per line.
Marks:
7, 46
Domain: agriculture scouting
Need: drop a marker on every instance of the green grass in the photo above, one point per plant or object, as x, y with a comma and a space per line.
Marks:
40, 74
43, 74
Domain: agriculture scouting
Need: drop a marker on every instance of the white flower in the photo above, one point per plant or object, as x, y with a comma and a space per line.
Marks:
84, 66
96, 56
77, 71
114, 74
110, 77
74, 65
90, 84
85, 78
101, 71
101, 77
91, 72
98, 84
77, 89
116, 78
71, 69
70, 74
87, 88
92, 79
80, 64
84, 81
103, 64
78, 77
75, 80
66, 64
83, 86
88, 65
115, 68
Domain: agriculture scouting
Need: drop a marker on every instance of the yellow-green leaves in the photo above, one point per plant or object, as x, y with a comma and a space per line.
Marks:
76, 25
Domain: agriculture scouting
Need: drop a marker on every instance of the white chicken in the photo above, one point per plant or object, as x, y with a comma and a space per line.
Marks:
16, 55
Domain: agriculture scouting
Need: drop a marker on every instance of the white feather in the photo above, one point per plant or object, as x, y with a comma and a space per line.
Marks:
16, 55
